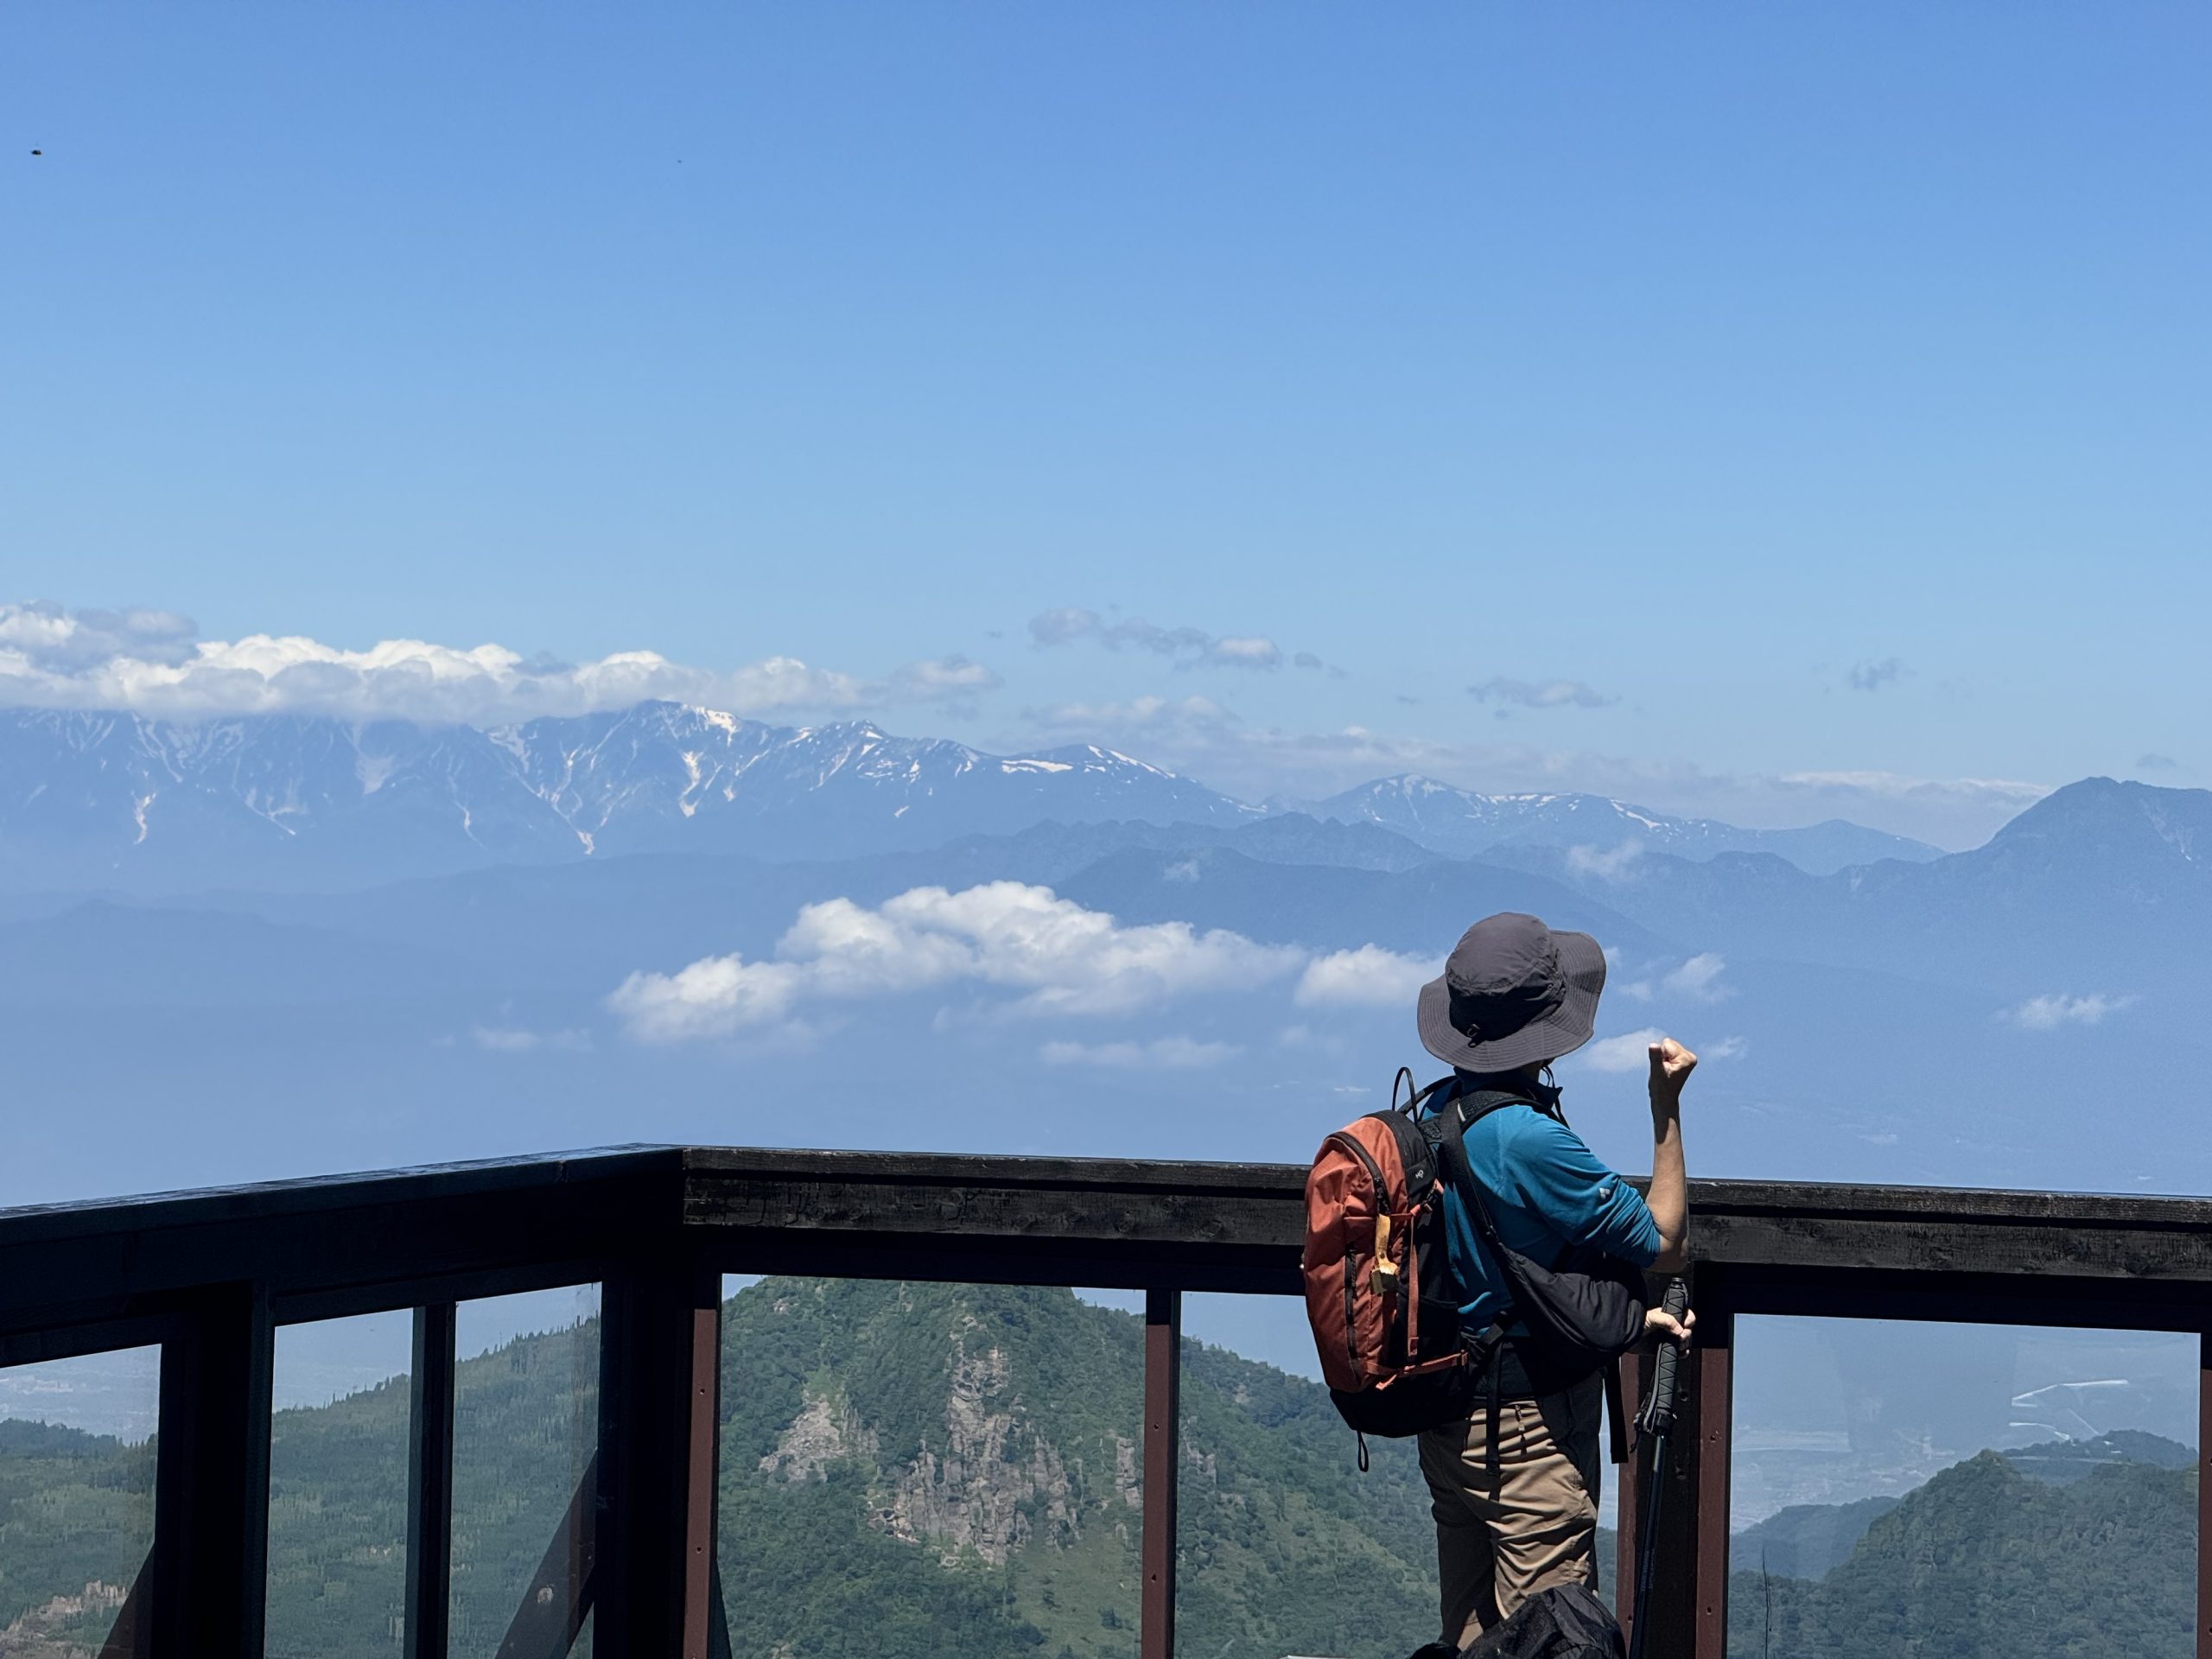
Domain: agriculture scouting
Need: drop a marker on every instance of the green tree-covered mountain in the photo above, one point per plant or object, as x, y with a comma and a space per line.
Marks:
1986, 1562
906, 1469
910, 1470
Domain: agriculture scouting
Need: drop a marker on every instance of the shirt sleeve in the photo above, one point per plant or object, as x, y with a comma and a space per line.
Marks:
1587, 1204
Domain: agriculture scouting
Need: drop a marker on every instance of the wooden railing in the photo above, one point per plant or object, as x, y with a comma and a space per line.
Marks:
210, 1275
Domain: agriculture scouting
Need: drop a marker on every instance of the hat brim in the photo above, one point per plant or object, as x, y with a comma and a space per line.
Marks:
1562, 1031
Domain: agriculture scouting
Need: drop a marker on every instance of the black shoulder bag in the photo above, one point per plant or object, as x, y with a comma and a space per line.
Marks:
1581, 1312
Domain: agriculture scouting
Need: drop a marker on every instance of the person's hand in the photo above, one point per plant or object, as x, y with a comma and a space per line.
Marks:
1658, 1323
1671, 1066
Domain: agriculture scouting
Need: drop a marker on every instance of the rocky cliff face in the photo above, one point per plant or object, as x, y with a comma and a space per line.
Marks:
985, 1477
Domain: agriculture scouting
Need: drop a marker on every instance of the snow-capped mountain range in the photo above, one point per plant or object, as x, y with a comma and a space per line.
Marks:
1461, 822
117, 801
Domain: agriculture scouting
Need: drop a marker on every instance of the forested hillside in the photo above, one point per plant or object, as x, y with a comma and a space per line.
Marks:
932, 1468
925, 1467
1987, 1562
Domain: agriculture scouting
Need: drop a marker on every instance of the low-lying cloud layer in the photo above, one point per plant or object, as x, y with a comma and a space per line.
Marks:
1202, 737
1054, 956
154, 663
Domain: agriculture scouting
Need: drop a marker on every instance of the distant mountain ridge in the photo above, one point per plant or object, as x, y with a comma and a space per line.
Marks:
106, 800
1989, 1560
2101, 884
111, 801
1462, 822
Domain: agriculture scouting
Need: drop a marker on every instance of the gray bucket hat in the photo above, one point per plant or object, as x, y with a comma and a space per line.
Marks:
1513, 993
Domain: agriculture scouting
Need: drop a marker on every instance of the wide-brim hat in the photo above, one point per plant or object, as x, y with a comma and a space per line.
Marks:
1513, 993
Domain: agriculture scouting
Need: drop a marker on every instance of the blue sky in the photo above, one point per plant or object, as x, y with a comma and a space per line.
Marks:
1799, 391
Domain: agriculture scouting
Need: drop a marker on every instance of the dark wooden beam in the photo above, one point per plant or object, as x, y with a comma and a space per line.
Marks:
429, 1484
1248, 1219
68, 1263
658, 1442
1163, 1446
328, 1248
426, 1290
76, 1339
1007, 1260
1958, 1297
211, 1482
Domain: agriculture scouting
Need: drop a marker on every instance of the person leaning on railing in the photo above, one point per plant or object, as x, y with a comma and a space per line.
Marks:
1514, 1486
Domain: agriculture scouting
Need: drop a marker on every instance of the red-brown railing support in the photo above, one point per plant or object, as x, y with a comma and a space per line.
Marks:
2204, 1495
1163, 1389
1628, 1505
1714, 1357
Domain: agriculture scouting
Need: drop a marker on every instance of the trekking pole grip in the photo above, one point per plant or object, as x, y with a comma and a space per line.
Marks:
1669, 1359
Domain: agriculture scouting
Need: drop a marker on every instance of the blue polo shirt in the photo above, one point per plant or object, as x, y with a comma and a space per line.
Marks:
1547, 1191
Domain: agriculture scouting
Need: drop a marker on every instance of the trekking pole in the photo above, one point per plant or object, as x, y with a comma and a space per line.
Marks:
1656, 1422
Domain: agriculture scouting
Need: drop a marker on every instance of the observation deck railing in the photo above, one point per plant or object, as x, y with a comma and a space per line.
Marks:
210, 1275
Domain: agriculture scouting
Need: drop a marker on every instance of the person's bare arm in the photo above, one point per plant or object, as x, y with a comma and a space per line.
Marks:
1669, 1198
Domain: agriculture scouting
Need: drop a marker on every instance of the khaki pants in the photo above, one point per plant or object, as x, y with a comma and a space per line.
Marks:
1502, 1537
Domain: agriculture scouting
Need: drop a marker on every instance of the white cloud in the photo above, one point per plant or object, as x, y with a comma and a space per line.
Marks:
512, 1039
153, 663
1161, 1054
2050, 1012
1540, 693
1370, 977
1187, 647
1615, 866
1698, 979
1061, 957
1629, 1051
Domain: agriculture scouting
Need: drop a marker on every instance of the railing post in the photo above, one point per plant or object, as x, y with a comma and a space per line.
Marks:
429, 1484
1163, 1389
659, 1422
211, 1479
1628, 1506
2204, 1495
1688, 1608
1715, 1355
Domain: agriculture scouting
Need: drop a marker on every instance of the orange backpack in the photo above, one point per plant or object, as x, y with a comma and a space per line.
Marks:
1380, 1292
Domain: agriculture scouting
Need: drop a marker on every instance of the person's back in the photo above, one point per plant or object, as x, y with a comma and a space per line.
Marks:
1514, 1486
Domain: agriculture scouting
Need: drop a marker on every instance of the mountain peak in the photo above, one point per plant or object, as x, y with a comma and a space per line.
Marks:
2105, 818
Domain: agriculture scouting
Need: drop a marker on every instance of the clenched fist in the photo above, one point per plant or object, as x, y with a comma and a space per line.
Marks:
1671, 1066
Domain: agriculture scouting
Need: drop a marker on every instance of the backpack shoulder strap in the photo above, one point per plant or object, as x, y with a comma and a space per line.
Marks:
1459, 1171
